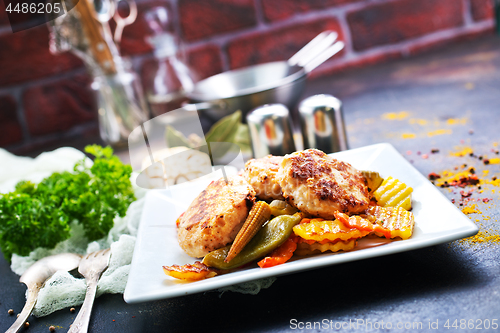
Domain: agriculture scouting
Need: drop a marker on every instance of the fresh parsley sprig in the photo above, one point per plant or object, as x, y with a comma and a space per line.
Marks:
38, 215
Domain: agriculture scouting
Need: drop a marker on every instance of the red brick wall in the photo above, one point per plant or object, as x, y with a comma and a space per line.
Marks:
46, 98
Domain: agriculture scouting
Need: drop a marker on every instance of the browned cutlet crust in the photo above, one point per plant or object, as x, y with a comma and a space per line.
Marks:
261, 174
214, 218
319, 184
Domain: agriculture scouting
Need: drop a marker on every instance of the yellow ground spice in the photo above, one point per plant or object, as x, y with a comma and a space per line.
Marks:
462, 152
396, 115
482, 237
471, 210
495, 182
457, 121
439, 132
408, 135
421, 122
467, 181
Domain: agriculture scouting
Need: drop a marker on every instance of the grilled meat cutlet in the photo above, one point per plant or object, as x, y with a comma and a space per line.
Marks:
320, 185
214, 218
261, 174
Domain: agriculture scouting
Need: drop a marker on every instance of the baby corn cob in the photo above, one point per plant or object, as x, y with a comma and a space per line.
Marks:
259, 214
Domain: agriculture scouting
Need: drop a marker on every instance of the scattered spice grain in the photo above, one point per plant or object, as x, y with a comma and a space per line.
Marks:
52, 329
10, 312
482, 237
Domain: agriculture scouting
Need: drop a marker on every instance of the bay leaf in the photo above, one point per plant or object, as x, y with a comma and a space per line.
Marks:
242, 138
174, 138
224, 130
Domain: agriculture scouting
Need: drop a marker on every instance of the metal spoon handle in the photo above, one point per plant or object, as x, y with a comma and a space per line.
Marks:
324, 56
313, 48
27, 309
81, 323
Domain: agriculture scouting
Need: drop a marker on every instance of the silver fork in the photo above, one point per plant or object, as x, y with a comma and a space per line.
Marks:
91, 267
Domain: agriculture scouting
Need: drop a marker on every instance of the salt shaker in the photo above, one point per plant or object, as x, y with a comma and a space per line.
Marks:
270, 130
322, 123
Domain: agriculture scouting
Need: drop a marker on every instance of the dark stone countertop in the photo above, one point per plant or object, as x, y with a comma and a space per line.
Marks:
444, 100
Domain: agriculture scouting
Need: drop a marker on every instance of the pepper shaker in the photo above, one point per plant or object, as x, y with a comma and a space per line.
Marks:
270, 130
322, 123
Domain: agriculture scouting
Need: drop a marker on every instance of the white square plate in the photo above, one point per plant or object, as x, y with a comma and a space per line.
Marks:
437, 221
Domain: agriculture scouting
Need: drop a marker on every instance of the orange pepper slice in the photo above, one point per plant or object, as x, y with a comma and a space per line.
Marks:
361, 224
282, 254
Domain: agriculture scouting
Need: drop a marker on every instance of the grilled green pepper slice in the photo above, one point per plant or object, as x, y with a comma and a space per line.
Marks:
271, 236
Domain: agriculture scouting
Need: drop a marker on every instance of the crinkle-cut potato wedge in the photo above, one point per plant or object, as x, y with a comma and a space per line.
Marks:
324, 230
393, 193
195, 272
398, 221
304, 249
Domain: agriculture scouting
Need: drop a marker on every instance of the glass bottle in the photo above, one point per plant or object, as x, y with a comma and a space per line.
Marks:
167, 78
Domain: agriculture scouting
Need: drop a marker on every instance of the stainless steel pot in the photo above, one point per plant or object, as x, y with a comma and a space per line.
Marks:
246, 88
275, 82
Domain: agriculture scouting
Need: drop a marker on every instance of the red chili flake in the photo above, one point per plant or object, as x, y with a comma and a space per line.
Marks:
418, 153
133, 316
465, 194
486, 161
462, 141
473, 180
434, 150
425, 156
485, 200
408, 152
433, 176
113, 320
452, 200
